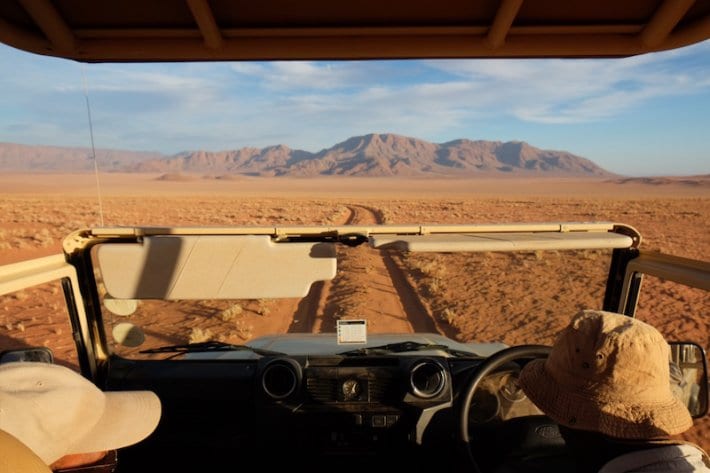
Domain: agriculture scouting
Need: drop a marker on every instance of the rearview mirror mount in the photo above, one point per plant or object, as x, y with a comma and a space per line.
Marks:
38, 354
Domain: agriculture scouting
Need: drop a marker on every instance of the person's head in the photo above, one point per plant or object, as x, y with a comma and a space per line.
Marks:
59, 414
608, 373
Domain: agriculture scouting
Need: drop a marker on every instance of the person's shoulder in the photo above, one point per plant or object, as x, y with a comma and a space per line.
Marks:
670, 458
703, 454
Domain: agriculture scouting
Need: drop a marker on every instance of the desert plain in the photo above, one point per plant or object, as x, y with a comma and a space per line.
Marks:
459, 295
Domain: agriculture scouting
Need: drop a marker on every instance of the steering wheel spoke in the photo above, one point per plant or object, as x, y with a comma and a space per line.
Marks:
525, 432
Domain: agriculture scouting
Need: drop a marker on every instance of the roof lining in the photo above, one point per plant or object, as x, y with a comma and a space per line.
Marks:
666, 17
51, 23
229, 33
312, 45
205, 21
502, 22
669, 26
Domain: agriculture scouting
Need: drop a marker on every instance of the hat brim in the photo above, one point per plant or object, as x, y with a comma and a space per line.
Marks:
618, 418
128, 418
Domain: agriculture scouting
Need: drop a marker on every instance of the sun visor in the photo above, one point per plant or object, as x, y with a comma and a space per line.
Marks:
213, 267
520, 241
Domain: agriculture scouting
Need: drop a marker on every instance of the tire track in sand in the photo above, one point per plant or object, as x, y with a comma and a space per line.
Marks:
369, 285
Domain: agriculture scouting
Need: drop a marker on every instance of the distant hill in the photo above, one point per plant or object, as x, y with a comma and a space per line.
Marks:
21, 158
373, 155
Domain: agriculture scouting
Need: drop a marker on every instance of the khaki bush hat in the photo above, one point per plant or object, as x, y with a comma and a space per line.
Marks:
16, 457
56, 411
608, 373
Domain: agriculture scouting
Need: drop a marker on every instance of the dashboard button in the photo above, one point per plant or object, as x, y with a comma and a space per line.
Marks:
378, 421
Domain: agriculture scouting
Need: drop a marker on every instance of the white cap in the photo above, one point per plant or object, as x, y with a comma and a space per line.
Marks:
56, 411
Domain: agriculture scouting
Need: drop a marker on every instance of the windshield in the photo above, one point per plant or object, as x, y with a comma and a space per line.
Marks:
467, 297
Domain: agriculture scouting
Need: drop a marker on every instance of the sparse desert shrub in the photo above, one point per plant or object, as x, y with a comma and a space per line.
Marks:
263, 308
448, 315
434, 286
198, 335
231, 312
20, 295
244, 330
419, 263
43, 238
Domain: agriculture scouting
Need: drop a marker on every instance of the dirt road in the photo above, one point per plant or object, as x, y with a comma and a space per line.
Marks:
364, 275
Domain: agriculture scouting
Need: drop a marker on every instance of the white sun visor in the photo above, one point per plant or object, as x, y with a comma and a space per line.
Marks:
213, 267
513, 241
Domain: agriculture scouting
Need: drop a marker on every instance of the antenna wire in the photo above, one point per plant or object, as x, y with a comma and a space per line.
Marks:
93, 148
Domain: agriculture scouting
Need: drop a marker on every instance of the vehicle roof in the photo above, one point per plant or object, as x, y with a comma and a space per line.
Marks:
200, 30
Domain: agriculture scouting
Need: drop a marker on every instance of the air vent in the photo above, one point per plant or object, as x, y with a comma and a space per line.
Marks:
281, 378
383, 388
427, 379
322, 389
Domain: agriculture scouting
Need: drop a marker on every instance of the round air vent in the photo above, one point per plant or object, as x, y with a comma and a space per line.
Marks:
427, 379
281, 378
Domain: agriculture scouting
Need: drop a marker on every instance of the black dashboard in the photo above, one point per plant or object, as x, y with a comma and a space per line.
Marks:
321, 410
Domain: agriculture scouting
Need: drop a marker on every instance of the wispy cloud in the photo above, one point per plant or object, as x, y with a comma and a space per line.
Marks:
577, 91
300, 75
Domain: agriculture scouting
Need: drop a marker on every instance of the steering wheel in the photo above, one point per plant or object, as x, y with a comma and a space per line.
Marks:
491, 364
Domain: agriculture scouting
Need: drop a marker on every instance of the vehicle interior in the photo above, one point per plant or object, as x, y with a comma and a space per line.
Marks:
341, 395
202, 30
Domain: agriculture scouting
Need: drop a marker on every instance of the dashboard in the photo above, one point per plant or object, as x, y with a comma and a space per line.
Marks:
322, 410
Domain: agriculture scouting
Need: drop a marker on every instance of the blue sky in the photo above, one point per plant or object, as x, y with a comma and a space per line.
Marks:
642, 116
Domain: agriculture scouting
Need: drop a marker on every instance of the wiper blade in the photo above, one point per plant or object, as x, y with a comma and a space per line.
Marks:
209, 346
401, 347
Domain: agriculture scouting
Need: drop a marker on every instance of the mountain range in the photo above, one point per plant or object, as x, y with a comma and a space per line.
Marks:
373, 155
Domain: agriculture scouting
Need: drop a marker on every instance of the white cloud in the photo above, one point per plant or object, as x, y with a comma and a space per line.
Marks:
574, 91
299, 75
137, 81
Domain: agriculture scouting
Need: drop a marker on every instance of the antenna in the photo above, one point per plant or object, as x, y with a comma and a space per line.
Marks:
93, 148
